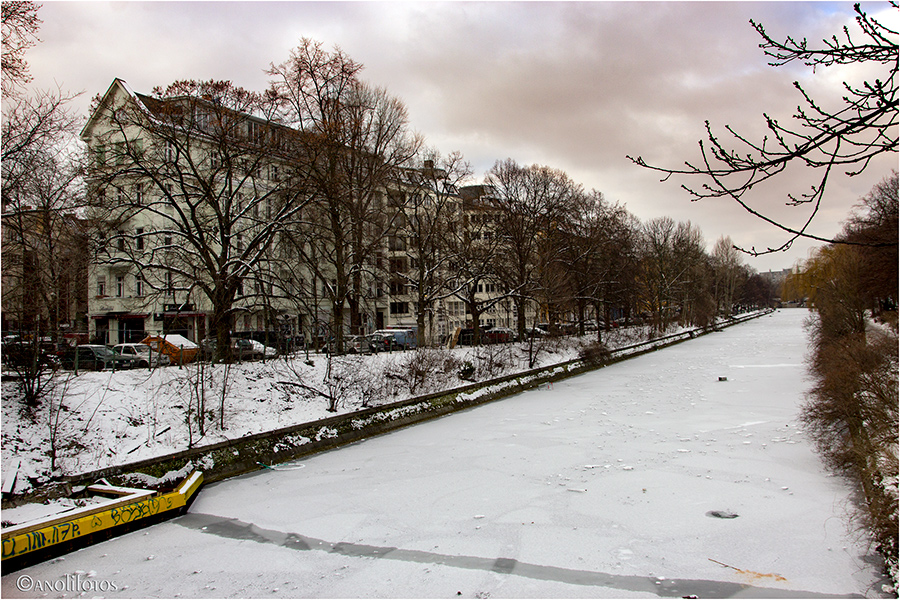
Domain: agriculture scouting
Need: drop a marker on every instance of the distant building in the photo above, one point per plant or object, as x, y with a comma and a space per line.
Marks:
776, 278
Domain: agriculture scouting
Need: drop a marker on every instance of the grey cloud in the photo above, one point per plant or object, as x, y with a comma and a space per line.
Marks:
576, 85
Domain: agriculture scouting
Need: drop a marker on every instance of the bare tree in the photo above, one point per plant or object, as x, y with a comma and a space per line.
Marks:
674, 273
819, 138
20, 27
44, 246
726, 264
192, 186
533, 202
598, 257
354, 139
694, 284
426, 219
472, 247
874, 225
658, 270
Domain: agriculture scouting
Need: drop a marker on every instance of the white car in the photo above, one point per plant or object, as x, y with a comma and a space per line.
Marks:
263, 350
140, 353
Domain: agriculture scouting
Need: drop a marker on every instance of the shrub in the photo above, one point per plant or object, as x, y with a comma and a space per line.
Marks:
594, 354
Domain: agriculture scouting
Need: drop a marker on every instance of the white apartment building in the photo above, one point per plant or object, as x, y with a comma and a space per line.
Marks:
142, 282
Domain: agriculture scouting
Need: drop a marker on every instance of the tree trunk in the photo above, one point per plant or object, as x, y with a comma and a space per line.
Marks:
519, 301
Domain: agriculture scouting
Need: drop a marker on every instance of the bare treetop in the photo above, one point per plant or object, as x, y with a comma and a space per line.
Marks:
848, 138
20, 26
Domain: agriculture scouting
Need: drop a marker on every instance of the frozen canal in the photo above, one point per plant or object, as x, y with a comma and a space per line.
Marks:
603, 486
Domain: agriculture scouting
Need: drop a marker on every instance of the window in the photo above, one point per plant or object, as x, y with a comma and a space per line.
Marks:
254, 131
139, 285
170, 282
100, 155
139, 238
397, 265
167, 239
456, 309
397, 288
397, 200
101, 285
170, 152
120, 240
138, 194
120, 153
399, 308
120, 286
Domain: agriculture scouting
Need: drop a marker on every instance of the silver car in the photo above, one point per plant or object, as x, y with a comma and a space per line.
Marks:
141, 354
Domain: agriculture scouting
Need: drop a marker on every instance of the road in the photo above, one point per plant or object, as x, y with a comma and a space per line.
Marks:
613, 484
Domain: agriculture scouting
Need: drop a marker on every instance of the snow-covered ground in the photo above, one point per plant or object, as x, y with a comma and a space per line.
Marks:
602, 486
114, 418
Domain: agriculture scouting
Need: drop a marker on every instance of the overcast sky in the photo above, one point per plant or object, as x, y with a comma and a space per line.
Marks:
573, 85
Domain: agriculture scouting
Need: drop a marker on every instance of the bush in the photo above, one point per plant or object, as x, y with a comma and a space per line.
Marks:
467, 371
595, 354
852, 415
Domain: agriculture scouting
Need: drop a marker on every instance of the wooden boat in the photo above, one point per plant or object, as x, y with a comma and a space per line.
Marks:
129, 508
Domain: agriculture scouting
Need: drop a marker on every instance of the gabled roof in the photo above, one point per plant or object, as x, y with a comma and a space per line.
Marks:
117, 86
157, 110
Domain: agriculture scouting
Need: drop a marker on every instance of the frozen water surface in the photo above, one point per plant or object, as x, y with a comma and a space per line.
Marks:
598, 487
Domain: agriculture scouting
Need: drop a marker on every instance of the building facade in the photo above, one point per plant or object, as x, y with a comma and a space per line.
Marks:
154, 164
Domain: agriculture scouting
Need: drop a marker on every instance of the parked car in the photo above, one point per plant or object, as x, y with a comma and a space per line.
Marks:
467, 336
395, 339
363, 344
241, 349
142, 355
261, 350
96, 357
251, 350
19, 353
499, 335
382, 343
